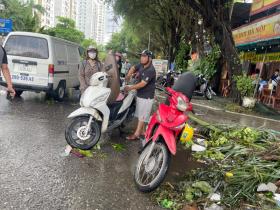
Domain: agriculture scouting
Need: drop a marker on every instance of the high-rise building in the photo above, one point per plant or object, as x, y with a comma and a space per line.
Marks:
100, 21
90, 19
85, 17
112, 24
54, 8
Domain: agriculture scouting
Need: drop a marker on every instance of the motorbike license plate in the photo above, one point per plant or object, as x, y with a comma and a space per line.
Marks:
187, 134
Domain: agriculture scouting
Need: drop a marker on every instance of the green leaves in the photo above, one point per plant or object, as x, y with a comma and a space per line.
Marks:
167, 203
245, 85
118, 147
208, 64
183, 56
25, 16
65, 29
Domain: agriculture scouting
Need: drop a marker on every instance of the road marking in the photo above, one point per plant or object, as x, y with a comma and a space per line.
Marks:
247, 115
208, 107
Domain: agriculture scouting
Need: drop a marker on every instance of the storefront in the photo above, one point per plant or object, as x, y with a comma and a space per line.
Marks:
258, 42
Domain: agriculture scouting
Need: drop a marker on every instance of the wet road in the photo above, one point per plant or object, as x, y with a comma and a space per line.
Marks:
33, 175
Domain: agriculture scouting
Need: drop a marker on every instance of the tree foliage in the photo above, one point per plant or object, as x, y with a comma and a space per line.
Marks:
65, 29
207, 65
217, 17
171, 21
166, 21
183, 56
25, 16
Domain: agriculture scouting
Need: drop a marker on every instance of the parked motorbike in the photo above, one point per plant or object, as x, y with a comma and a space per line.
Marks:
99, 112
166, 80
167, 126
203, 88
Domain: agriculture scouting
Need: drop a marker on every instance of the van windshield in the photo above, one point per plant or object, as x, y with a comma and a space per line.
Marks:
27, 46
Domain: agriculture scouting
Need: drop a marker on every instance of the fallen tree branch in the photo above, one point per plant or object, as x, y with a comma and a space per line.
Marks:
203, 123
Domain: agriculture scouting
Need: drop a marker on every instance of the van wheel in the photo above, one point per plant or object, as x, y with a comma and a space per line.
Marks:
60, 92
18, 93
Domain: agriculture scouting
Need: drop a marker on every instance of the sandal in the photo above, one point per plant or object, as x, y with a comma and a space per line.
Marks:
132, 137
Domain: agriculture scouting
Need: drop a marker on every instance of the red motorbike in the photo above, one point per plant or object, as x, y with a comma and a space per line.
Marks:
167, 126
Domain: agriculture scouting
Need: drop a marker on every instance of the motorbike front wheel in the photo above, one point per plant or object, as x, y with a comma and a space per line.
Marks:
150, 171
76, 135
208, 94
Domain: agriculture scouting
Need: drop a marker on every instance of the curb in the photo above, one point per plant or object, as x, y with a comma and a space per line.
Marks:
242, 114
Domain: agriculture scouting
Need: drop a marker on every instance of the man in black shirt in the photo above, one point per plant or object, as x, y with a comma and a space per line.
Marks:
146, 76
5, 71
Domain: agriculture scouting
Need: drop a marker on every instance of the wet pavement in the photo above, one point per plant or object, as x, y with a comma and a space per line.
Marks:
33, 175
219, 116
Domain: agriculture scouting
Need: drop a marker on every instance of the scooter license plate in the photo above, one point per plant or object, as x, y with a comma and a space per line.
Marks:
187, 134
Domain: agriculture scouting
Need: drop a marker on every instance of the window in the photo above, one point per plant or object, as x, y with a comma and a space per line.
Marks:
27, 46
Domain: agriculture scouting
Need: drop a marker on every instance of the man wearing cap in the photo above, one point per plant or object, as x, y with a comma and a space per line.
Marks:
145, 91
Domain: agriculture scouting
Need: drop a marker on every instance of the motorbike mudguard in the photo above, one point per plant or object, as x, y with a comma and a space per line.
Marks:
168, 137
93, 112
151, 125
85, 111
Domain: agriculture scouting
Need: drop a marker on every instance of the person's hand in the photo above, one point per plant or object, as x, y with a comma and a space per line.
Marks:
127, 88
11, 90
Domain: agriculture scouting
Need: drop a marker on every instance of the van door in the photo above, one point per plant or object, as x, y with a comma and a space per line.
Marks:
28, 60
73, 65
61, 71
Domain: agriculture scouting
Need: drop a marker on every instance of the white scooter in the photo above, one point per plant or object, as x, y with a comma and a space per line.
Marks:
96, 116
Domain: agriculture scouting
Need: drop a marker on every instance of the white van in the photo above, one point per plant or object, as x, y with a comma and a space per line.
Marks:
39, 62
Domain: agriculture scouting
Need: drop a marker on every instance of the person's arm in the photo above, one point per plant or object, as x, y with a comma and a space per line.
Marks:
137, 86
7, 76
131, 71
147, 77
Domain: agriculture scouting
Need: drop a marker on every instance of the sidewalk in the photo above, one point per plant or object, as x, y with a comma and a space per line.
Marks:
226, 104
215, 111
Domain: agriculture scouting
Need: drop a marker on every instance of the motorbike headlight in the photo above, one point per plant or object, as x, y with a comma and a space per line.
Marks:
181, 105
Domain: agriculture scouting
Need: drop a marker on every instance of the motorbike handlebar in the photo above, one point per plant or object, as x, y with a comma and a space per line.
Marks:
163, 90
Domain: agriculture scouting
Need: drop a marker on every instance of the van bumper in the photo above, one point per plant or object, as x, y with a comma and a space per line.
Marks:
35, 88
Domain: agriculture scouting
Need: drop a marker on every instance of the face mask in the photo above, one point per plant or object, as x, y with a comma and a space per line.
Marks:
92, 55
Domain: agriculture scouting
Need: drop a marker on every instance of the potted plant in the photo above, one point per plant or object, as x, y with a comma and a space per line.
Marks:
246, 87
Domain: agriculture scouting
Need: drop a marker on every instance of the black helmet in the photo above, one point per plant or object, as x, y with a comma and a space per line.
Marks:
148, 53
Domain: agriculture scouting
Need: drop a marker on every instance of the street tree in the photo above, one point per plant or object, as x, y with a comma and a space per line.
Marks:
65, 29
25, 15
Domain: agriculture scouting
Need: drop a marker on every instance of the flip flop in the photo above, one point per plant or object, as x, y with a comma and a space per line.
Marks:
132, 137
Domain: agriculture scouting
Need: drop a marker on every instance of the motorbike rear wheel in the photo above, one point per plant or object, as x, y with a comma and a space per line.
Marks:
75, 133
208, 94
150, 173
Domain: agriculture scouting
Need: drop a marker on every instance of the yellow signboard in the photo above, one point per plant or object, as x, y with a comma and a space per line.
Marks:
261, 30
257, 58
262, 5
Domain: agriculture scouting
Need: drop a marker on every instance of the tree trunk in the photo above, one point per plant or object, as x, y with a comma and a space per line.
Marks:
223, 36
